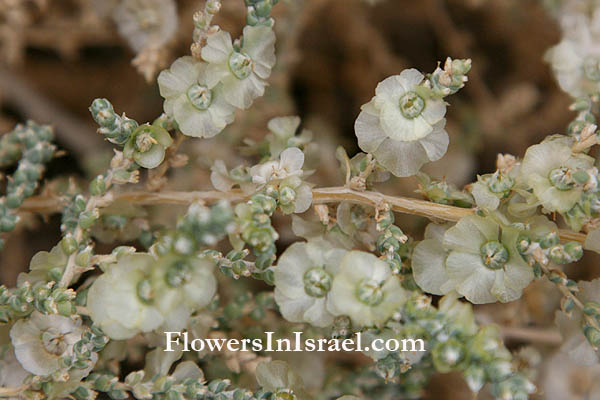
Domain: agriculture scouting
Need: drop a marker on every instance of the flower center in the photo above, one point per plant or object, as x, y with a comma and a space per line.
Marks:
287, 195
240, 64
317, 282
200, 96
591, 68
411, 105
54, 342
144, 291
494, 255
144, 142
179, 274
285, 394
369, 292
562, 178
500, 183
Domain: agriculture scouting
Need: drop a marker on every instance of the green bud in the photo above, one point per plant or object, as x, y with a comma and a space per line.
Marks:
549, 240
591, 308
83, 257
523, 243
15, 198
574, 250
104, 383
448, 355
498, 370
102, 111
8, 222
98, 186
581, 104
268, 276
218, 385
475, 377
55, 273
68, 244
592, 335
179, 273
287, 195
87, 219
65, 308
83, 393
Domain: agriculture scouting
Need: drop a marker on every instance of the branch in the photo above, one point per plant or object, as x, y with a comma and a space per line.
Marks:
11, 391
404, 205
531, 335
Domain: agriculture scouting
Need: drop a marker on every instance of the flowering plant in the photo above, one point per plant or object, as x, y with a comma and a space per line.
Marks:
268, 248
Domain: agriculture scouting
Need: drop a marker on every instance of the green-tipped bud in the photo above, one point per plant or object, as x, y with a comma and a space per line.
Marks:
592, 335
68, 244
98, 186
591, 308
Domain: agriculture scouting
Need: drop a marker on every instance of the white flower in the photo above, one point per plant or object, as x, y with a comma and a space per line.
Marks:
197, 105
242, 71
145, 23
478, 258
402, 126
550, 168
366, 290
41, 341
182, 286
289, 165
575, 60
429, 261
303, 279
114, 302
294, 194
145, 293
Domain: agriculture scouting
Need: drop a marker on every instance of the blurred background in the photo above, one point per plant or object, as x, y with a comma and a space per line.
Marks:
56, 56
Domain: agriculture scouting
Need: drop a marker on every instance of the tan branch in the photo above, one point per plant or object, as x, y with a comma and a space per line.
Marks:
404, 205
532, 335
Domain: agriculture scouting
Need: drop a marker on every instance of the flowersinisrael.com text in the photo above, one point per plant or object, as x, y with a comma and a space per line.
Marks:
355, 343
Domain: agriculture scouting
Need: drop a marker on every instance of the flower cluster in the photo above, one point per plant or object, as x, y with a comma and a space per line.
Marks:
163, 288
456, 343
315, 284
148, 292
202, 94
357, 271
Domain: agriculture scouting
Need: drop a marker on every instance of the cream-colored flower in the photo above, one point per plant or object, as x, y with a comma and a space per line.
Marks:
303, 279
289, 165
576, 59
145, 23
197, 105
242, 71
403, 125
550, 169
477, 257
365, 290
116, 299
140, 293
42, 341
